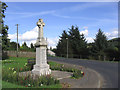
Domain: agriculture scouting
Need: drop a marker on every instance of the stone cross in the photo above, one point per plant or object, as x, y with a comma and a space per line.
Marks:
41, 67
40, 24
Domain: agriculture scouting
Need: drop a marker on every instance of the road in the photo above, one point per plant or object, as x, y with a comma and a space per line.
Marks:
108, 70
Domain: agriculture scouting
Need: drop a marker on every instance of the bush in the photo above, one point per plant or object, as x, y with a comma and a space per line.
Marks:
4, 55
112, 53
77, 74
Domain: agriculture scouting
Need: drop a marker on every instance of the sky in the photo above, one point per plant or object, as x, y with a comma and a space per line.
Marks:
59, 16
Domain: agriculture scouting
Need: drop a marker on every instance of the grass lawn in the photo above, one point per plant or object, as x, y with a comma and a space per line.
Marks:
11, 85
14, 62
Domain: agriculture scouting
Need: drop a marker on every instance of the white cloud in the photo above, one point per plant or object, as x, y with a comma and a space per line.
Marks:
85, 32
113, 34
31, 36
12, 36
89, 39
52, 42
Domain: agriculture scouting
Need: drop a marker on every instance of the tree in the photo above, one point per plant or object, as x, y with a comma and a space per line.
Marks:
51, 48
112, 53
32, 48
4, 28
77, 46
100, 44
101, 40
78, 42
113, 50
13, 46
24, 45
61, 47
31, 45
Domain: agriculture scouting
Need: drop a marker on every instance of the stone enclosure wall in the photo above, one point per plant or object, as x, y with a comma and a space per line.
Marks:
20, 54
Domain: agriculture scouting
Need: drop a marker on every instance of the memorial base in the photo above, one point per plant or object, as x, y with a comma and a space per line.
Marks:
41, 69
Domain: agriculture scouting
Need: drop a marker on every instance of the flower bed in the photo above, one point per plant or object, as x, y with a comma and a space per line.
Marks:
10, 73
61, 67
11, 69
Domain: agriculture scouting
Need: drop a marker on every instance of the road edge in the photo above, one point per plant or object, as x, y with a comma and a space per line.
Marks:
100, 78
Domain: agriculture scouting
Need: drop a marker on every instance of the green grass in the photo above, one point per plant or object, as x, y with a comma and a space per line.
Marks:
51, 63
11, 85
16, 63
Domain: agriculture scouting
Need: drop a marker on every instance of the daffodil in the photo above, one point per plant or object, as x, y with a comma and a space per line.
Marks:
14, 72
9, 68
12, 68
82, 72
25, 64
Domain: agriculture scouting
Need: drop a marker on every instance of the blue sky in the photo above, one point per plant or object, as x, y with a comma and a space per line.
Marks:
88, 16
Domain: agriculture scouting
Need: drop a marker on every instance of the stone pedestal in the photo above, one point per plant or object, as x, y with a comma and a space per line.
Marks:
41, 67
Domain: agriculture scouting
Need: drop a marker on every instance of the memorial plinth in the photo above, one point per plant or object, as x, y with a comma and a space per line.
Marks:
41, 67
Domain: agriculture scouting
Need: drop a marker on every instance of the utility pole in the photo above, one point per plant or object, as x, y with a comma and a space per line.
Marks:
17, 39
67, 47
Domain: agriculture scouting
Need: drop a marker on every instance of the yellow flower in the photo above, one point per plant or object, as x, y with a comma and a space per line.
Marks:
25, 64
14, 72
82, 72
12, 68
69, 85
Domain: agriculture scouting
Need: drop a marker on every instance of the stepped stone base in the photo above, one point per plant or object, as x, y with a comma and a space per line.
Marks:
41, 69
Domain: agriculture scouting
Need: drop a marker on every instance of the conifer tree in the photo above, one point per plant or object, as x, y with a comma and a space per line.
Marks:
61, 47
31, 45
101, 41
100, 44
4, 41
3, 28
78, 42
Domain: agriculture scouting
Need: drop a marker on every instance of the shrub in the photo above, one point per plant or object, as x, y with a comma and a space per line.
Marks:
112, 53
78, 74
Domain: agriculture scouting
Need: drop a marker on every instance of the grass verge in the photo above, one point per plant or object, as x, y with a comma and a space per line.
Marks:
11, 85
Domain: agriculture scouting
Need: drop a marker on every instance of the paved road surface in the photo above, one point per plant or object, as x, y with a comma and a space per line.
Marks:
108, 70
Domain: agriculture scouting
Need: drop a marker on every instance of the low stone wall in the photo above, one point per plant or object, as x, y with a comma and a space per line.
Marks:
20, 54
